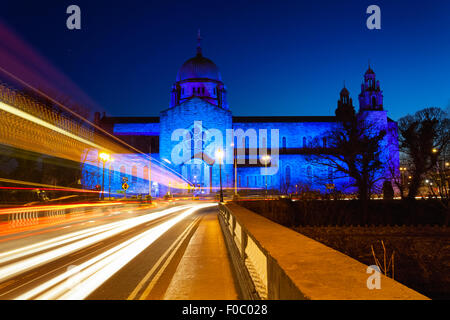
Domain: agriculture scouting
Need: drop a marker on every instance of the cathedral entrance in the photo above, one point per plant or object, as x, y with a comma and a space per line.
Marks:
198, 172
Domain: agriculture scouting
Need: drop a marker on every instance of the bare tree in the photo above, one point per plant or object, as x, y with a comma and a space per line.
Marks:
353, 150
423, 137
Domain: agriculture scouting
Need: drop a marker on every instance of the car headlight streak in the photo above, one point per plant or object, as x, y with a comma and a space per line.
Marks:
81, 281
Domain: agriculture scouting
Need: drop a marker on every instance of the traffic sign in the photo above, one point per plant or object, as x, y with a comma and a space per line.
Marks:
124, 179
125, 186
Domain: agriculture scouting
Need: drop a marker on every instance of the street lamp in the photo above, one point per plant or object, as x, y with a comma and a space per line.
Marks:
103, 156
266, 159
219, 157
235, 168
402, 172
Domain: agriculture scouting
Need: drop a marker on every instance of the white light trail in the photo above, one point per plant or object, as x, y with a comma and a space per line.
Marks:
86, 238
29, 117
93, 273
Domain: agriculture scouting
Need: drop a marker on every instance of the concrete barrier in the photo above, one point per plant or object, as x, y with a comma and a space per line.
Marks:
24, 216
283, 264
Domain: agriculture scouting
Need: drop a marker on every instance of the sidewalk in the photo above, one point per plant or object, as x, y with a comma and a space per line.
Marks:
204, 272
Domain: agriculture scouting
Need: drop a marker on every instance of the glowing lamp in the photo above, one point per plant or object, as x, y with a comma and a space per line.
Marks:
104, 156
219, 154
266, 158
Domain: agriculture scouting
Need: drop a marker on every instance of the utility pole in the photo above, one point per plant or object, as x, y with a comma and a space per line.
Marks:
103, 182
150, 172
109, 181
235, 170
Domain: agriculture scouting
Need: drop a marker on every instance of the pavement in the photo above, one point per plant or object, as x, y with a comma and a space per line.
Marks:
204, 272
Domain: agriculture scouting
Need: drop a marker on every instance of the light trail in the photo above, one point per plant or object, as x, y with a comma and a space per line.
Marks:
56, 207
81, 281
93, 236
36, 120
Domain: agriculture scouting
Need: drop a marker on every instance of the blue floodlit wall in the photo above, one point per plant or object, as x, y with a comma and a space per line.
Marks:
132, 166
293, 169
203, 99
184, 116
136, 129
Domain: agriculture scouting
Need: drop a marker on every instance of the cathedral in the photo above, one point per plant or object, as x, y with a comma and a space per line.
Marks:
258, 152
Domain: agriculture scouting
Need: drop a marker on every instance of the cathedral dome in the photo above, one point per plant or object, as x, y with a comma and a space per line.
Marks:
199, 67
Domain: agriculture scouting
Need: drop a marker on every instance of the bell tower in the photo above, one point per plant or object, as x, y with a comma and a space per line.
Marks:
371, 97
345, 107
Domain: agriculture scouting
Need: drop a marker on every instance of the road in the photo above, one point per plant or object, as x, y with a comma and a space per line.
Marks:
129, 253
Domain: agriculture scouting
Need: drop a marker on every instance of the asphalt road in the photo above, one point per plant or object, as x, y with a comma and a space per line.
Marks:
128, 253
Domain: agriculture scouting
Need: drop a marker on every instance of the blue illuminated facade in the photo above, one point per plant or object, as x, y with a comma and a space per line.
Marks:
199, 120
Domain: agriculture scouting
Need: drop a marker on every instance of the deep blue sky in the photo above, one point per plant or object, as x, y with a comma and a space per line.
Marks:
276, 57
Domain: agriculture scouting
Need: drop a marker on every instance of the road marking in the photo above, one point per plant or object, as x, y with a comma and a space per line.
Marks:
7, 283
85, 249
176, 244
29, 275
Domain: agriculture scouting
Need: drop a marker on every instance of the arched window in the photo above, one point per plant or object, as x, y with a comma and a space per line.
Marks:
145, 173
288, 175
374, 102
284, 144
309, 175
122, 173
134, 174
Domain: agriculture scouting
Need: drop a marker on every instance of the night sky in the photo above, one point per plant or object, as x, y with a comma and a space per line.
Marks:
275, 57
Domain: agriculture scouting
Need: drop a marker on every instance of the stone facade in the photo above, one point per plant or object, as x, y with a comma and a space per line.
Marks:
199, 121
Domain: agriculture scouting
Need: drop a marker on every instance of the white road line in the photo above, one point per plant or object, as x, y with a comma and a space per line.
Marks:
93, 273
180, 239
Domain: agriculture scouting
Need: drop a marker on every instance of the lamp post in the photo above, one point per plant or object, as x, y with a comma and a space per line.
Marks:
219, 157
402, 173
266, 159
169, 162
150, 172
103, 157
109, 180
235, 168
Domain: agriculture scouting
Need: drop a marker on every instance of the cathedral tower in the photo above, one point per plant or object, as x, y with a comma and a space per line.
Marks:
199, 77
345, 107
371, 97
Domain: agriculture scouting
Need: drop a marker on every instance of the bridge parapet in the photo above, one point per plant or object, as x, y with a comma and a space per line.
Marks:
276, 262
25, 216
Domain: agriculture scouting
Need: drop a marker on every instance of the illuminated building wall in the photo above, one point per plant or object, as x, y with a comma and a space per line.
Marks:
199, 96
